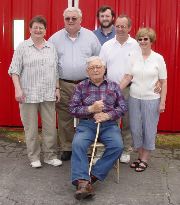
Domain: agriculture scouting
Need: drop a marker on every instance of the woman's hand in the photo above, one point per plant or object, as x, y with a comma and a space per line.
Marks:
158, 87
19, 95
125, 81
161, 107
163, 95
58, 96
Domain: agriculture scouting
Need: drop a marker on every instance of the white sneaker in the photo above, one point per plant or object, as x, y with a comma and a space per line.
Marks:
36, 164
125, 158
54, 162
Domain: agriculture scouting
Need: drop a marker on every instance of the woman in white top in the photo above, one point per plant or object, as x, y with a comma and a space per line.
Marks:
144, 104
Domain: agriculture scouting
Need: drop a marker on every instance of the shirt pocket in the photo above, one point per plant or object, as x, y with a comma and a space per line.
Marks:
89, 100
86, 51
110, 97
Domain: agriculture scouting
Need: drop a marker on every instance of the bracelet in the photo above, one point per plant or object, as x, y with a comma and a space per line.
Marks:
57, 88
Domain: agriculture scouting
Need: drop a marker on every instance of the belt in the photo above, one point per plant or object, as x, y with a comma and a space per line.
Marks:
86, 118
72, 81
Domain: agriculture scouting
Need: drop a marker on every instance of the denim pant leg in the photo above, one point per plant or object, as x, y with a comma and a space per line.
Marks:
110, 136
83, 138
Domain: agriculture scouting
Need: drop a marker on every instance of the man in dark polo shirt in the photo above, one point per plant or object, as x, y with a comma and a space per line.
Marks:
106, 31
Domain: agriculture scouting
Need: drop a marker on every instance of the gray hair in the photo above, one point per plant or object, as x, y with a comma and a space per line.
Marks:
73, 9
92, 58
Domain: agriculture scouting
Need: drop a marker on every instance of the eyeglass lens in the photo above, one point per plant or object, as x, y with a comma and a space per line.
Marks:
72, 19
95, 66
121, 26
36, 28
143, 39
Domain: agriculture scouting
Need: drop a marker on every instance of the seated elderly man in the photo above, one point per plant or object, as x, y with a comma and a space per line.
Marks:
95, 100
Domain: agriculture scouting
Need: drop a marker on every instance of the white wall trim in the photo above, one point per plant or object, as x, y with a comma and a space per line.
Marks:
76, 3
69, 3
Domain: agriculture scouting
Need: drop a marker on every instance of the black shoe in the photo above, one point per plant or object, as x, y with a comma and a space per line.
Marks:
66, 155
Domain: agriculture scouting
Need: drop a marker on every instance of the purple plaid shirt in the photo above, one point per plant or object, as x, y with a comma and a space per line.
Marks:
86, 93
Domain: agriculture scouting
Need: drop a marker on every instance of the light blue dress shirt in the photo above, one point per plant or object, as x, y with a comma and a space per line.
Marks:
73, 54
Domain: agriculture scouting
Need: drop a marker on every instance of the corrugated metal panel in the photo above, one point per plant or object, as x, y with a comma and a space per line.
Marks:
163, 16
20, 9
6, 90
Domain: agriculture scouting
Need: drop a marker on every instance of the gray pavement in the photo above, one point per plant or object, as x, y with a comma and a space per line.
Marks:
22, 185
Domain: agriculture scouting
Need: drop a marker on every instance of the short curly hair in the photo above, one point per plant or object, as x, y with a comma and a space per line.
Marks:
146, 31
38, 19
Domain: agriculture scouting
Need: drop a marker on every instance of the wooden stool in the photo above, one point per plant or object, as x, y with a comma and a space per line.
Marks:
100, 145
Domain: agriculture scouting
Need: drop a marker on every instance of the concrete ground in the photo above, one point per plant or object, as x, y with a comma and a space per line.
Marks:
22, 185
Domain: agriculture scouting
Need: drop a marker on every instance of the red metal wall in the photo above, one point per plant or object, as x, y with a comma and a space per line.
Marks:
21, 9
163, 16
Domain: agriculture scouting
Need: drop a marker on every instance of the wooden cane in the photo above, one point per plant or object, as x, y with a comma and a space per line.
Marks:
94, 147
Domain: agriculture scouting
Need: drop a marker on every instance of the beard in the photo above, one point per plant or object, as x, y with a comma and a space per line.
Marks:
106, 25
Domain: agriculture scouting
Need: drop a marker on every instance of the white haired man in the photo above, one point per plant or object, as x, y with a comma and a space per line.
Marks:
95, 100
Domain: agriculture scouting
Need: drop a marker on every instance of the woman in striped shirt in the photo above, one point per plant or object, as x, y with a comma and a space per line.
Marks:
36, 80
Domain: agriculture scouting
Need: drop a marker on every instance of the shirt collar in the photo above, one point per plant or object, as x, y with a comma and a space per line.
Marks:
114, 40
31, 43
129, 40
112, 30
78, 33
104, 81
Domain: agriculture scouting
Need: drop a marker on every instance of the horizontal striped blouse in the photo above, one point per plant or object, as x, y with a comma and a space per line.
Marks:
37, 70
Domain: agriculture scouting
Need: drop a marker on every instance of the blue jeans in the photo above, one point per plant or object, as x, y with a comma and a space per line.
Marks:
109, 135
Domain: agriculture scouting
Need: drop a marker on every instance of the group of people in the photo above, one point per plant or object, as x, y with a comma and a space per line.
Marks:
99, 77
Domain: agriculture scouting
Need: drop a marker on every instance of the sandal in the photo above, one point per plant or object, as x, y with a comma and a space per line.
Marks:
142, 167
136, 163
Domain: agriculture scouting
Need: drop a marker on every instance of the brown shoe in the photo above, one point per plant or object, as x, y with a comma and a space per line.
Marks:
84, 190
94, 179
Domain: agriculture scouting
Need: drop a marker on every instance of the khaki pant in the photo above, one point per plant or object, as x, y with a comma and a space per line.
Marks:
29, 117
65, 120
126, 134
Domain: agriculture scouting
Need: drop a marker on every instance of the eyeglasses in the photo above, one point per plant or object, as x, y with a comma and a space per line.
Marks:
121, 26
93, 67
143, 39
38, 28
73, 19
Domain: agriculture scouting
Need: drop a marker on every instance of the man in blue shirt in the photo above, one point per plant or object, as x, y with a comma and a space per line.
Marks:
106, 31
